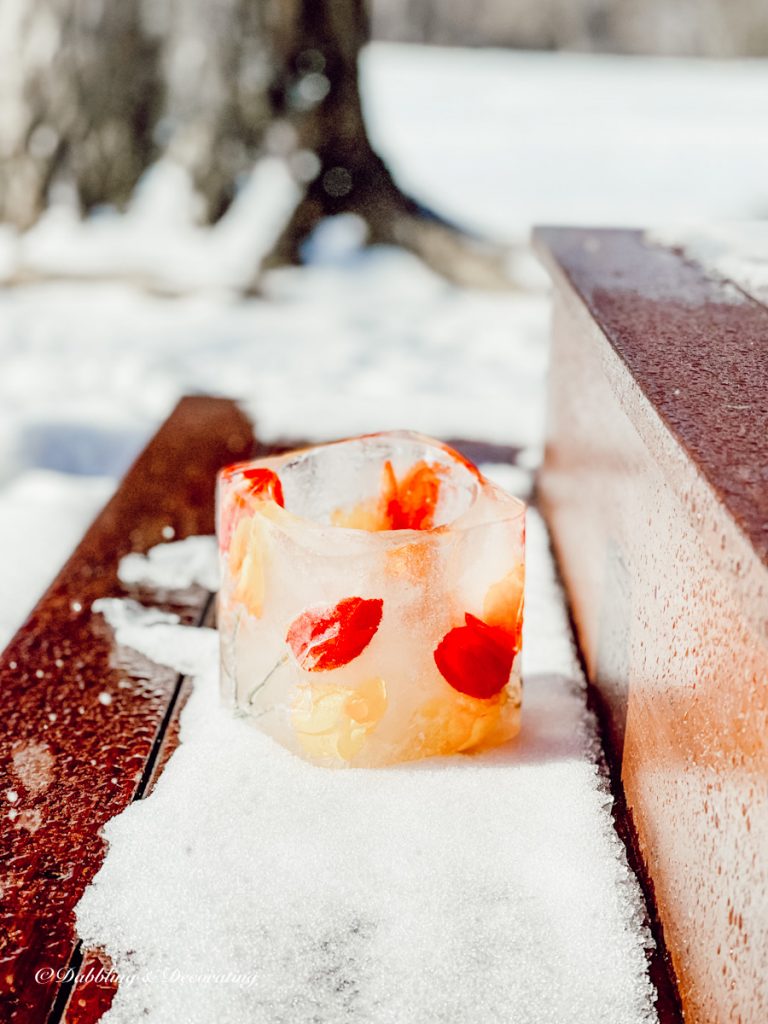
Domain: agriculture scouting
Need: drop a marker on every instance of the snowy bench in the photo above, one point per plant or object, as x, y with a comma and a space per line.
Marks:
655, 486
73, 755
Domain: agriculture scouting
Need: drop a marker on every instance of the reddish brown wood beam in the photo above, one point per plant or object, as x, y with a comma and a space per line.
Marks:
656, 489
68, 759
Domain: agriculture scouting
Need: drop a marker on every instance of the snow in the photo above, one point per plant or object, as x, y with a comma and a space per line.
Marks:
42, 517
149, 630
159, 243
253, 886
174, 566
736, 251
501, 140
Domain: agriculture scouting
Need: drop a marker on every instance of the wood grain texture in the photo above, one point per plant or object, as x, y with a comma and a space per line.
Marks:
696, 346
70, 757
656, 490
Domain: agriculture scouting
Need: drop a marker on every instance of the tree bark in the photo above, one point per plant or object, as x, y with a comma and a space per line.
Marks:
217, 63
89, 94
317, 48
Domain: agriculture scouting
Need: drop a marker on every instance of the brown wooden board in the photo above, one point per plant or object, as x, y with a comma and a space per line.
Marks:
655, 487
71, 761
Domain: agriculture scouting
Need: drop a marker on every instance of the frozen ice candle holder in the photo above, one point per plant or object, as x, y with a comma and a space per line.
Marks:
371, 605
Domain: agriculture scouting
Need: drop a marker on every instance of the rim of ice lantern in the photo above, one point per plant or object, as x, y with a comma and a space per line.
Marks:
301, 482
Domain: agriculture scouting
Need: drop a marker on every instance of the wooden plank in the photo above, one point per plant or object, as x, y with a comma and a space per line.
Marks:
697, 348
655, 486
79, 728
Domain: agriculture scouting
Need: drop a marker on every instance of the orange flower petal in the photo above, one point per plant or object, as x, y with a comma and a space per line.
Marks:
503, 604
250, 577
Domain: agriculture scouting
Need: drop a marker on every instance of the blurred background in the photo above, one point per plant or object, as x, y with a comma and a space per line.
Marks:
322, 209
679, 28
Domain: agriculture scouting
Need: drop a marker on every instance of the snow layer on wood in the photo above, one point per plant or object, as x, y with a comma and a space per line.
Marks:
174, 566
153, 632
737, 251
253, 886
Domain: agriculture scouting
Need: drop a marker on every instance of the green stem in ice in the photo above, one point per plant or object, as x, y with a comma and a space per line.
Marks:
260, 686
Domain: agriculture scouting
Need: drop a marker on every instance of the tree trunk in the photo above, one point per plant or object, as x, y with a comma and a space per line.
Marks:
317, 47
87, 96
217, 63
212, 84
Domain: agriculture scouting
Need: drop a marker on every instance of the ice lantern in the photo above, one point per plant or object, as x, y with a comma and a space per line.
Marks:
371, 604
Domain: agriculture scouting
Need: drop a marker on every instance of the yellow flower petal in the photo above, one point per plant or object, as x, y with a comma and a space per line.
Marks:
457, 722
349, 742
503, 604
368, 702
249, 587
366, 515
315, 713
239, 545
334, 721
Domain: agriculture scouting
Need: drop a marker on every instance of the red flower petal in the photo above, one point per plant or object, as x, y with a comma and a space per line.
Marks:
262, 484
476, 659
327, 638
411, 503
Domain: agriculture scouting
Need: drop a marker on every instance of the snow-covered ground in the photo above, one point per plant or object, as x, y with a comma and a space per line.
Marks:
359, 341
502, 140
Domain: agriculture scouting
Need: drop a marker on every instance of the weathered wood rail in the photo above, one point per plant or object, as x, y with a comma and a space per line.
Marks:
655, 486
80, 734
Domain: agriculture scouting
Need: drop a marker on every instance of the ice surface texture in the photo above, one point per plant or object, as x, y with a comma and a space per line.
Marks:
252, 886
371, 602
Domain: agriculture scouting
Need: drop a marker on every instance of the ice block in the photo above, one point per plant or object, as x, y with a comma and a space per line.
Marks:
371, 603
